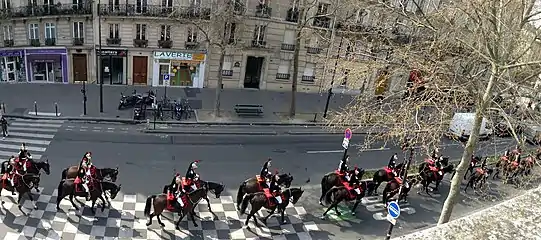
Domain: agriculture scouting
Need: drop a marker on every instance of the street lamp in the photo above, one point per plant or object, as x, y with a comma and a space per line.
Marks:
83, 91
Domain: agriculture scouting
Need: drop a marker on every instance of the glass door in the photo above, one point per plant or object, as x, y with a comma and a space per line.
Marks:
40, 71
10, 71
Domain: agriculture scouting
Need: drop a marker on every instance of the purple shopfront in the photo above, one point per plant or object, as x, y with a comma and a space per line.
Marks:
49, 65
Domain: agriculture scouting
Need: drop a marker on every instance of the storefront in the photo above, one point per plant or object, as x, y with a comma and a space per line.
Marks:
113, 65
184, 69
47, 65
12, 66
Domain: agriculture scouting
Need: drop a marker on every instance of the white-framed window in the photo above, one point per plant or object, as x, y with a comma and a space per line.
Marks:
141, 6
114, 5
32, 2
167, 4
140, 31
360, 15
114, 31
5, 4
48, 2
195, 3
283, 68
227, 68
33, 31
78, 30
323, 9
8, 32
314, 42
294, 4
229, 32
192, 35
50, 31
165, 32
259, 33
289, 37
309, 69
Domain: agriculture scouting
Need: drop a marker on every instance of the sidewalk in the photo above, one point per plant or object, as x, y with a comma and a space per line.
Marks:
517, 218
19, 100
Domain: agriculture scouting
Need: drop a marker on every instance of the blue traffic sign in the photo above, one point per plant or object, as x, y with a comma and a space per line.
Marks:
166, 77
348, 133
393, 209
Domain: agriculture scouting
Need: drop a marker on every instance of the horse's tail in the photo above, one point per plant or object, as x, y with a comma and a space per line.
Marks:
3, 167
329, 194
148, 204
240, 193
245, 201
59, 194
324, 185
64, 174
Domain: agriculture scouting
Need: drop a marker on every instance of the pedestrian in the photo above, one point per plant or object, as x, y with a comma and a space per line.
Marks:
4, 124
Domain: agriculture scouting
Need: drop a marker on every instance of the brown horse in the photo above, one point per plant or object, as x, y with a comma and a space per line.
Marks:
393, 187
332, 179
478, 178
23, 185
382, 176
159, 202
336, 195
251, 185
527, 164
259, 200
101, 174
67, 187
500, 166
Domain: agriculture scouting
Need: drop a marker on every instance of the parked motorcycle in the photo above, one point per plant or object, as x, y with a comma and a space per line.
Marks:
129, 101
138, 113
149, 98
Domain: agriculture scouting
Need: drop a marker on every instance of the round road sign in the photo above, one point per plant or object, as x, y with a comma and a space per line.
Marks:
348, 133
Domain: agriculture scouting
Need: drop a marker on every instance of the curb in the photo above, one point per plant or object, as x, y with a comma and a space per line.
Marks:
207, 132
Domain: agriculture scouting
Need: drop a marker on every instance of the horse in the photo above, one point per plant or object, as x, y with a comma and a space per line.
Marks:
159, 202
428, 176
383, 176
27, 182
101, 174
471, 167
527, 164
500, 166
393, 187
34, 167
251, 185
66, 187
259, 200
332, 179
213, 187
478, 178
336, 195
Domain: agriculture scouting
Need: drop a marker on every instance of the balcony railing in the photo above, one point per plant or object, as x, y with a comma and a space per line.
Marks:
165, 43
313, 50
142, 43
49, 10
114, 41
308, 78
78, 41
9, 43
283, 76
35, 42
191, 44
292, 15
322, 22
50, 41
263, 11
259, 43
288, 47
227, 72
133, 10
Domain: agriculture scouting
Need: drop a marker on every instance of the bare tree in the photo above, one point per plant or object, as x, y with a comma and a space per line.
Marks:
475, 56
219, 25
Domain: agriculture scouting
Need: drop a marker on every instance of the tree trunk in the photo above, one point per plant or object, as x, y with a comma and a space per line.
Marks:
219, 85
296, 52
456, 182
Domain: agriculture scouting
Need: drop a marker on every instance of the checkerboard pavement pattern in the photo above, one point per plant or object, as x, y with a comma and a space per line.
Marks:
125, 220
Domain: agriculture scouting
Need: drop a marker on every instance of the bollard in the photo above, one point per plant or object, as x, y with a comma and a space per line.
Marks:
315, 117
148, 123
35, 108
3, 106
56, 109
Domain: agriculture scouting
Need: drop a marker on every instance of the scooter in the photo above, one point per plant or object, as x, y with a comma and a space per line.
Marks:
130, 101
149, 98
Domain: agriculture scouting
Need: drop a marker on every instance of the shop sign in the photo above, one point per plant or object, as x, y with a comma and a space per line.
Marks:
11, 53
173, 55
112, 52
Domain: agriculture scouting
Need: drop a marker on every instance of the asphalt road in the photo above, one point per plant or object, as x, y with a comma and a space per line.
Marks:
147, 162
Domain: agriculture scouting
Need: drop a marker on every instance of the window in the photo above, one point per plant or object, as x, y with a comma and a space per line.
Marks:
8, 32
165, 33
114, 31
141, 6
360, 15
259, 34
192, 35
195, 3
33, 31
32, 2
314, 43
48, 2
323, 9
50, 31
283, 69
229, 33
6, 4
308, 74
140, 31
289, 37
167, 3
114, 5
295, 5
227, 68
78, 30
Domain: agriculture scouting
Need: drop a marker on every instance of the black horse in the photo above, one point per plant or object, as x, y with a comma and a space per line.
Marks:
101, 175
35, 167
259, 200
393, 187
23, 185
67, 187
336, 195
212, 187
478, 178
428, 176
332, 179
471, 167
382, 176
251, 185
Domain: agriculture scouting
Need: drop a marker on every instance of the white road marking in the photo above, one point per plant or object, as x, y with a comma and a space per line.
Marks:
28, 141
14, 153
31, 129
96, 130
40, 121
36, 124
330, 151
34, 135
82, 130
17, 147
97, 127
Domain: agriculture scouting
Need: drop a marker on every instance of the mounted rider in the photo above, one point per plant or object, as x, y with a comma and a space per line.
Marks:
191, 176
16, 170
354, 181
177, 190
275, 188
392, 163
265, 172
343, 167
84, 173
24, 155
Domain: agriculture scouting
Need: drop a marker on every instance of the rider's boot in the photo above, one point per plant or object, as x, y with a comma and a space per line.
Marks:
85, 186
12, 182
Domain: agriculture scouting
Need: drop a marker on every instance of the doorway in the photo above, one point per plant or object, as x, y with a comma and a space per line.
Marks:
79, 67
252, 77
8, 69
46, 72
140, 70
112, 70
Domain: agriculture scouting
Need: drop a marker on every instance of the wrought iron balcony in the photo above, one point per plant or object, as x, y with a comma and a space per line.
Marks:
49, 10
142, 43
263, 11
283, 76
259, 43
114, 41
288, 47
313, 50
238, 6
292, 15
191, 44
50, 41
78, 41
35, 42
308, 78
9, 43
322, 22
227, 72
156, 11
165, 43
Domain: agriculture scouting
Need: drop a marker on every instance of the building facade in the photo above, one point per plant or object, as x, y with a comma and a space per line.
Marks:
152, 42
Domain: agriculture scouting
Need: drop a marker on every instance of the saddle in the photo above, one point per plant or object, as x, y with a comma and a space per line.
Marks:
187, 183
433, 169
389, 171
480, 171
171, 199
79, 184
398, 180
270, 196
430, 161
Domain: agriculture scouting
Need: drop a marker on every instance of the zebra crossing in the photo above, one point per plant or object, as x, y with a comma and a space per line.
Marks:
36, 134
